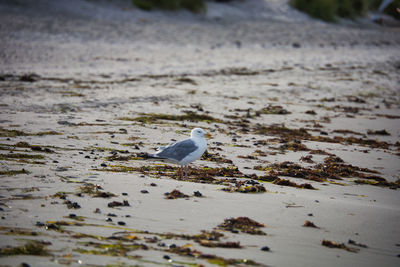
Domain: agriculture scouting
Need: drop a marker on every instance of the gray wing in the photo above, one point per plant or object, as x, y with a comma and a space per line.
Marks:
177, 151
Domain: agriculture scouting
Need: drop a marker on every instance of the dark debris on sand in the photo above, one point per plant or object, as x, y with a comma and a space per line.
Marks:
242, 224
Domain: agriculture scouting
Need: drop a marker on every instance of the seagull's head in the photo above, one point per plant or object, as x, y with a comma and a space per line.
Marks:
198, 133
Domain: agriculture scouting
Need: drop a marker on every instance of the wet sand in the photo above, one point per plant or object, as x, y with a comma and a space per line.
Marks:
303, 118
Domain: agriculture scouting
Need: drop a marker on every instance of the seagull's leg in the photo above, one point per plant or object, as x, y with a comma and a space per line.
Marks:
181, 172
186, 171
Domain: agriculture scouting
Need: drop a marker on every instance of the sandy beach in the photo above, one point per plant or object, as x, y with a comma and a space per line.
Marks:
302, 166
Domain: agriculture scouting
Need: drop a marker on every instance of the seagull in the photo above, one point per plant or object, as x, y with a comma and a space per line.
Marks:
183, 152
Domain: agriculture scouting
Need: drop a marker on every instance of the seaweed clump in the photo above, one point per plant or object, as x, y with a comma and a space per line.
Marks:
248, 186
113, 204
332, 244
197, 175
213, 259
207, 156
332, 168
308, 223
288, 134
285, 182
273, 109
229, 244
174, 194
242, 224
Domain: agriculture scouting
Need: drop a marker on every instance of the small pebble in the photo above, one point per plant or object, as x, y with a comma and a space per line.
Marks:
40, 224
310, 214
166, 257
111, 215
296, 45
197, 194
144, 191
153, 184
265, 248
87, 157
97, 210
103, 165
124, 194
24, 264
121, 223
172, 246
109, 220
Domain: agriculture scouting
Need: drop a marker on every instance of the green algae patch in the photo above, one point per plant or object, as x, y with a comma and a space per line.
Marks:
16, 156
71, 94
117, 157
377, 181
34, 248
156, 117
15, 133
153, 170
114, 250
14, 172
35, 148
18, 231
210, 244
94, 191
11, 133
23, 158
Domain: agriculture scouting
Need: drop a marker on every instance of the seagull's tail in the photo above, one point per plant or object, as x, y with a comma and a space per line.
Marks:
153, 157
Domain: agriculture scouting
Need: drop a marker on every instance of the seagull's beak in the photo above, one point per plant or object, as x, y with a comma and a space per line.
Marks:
208, 135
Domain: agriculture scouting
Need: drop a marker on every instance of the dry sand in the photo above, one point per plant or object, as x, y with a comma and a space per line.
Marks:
278, 87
